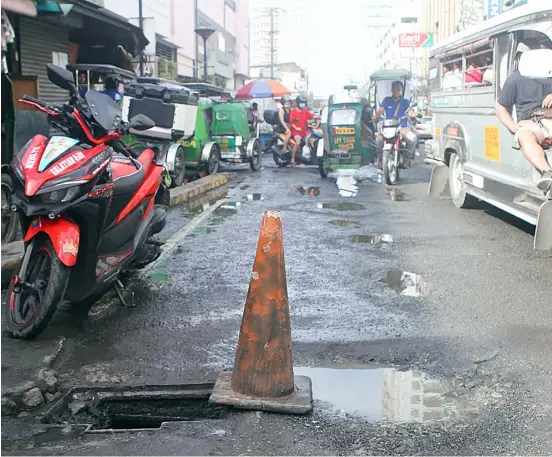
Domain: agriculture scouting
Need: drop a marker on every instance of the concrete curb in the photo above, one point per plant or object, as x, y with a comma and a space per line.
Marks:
12, 253
194, 189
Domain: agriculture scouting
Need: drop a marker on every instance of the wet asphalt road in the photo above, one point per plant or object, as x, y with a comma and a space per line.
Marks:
480, 325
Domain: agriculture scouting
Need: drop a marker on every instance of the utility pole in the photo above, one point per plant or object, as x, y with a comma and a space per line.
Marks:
272, 42
141, 23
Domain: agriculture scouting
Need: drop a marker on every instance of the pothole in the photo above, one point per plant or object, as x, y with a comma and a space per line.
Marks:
405, 283
344, 223
136, 409
397, 195
372, 239
341, 206
386, 394
308, 191
254, 197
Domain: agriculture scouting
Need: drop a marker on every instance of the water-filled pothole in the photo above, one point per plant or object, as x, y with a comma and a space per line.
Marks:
123, 410
385, 394
308, 191
372, 239
342, 206
345, 223
405, 283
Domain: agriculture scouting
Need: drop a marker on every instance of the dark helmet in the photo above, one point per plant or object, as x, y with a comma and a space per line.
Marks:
397, 84
285, 99
301, 99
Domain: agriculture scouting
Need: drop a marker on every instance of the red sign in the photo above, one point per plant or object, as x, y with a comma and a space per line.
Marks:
415, 40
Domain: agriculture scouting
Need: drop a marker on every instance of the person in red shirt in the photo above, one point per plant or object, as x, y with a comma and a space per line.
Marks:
299, 118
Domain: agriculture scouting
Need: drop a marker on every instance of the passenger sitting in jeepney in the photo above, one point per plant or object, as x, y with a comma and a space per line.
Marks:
473, 75
532, 97
396, 107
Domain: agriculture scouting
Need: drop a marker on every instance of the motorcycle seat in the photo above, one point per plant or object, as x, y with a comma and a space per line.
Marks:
127, 175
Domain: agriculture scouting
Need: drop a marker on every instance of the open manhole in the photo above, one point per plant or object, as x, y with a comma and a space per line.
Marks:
136, 408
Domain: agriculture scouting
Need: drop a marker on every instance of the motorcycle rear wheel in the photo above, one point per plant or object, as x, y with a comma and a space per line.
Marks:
28, 312
279, 160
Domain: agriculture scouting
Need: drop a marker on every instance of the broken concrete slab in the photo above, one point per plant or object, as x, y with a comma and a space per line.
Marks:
32, 398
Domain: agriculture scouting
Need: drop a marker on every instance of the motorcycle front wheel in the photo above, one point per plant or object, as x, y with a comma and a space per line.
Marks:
42, 282
390, 168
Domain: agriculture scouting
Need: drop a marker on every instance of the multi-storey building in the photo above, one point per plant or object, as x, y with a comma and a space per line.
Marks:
176, 51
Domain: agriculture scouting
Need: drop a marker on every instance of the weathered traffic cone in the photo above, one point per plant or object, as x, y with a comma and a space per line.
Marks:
263, 370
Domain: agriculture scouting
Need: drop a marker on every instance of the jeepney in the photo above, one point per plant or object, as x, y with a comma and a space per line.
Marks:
474, 153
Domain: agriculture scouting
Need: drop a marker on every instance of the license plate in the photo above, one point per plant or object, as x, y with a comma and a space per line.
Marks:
344, 131
344, 155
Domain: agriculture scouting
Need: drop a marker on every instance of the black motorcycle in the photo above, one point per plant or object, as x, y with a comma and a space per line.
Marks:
306, 153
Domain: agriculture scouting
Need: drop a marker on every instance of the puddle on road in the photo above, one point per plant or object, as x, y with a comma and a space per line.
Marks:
308, 191
347, 186
344, 223
397, 195
342, 206
406, 283
385, 394
254, 197
372, 239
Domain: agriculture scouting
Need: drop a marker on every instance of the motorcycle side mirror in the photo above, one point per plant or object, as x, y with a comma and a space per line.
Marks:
61, 77
140, 122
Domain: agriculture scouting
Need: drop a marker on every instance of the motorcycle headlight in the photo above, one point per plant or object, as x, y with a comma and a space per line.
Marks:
60, 196
389, 132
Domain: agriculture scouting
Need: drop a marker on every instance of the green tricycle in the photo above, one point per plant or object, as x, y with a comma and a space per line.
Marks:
236, 131
202, 152
349, 133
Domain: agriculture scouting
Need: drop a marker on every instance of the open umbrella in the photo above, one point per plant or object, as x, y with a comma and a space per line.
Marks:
262, 88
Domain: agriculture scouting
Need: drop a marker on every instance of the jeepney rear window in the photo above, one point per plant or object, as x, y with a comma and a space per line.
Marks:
344, 117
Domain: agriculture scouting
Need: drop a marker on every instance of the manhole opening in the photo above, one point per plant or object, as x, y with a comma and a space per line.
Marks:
136, 414
143, 408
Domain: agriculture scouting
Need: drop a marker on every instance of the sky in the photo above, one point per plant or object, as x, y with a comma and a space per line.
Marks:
340, 49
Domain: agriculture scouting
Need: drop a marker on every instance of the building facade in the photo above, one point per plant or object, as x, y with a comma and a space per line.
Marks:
279, 32
176, 51
405, 19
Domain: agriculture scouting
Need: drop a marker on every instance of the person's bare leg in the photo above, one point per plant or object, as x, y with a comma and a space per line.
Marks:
294, 151
286, 142
533, 151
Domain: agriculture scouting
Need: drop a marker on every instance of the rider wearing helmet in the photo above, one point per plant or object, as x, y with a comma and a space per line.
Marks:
283, 116
300, 116
395, 107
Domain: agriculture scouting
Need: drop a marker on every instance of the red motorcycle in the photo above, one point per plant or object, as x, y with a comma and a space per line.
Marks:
88, 205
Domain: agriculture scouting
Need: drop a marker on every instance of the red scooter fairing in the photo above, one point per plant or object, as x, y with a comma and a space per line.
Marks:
65, 236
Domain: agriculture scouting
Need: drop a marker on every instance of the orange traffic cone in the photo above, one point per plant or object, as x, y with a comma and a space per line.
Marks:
263, 370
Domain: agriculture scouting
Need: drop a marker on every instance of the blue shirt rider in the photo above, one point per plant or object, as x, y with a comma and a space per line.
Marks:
395, 106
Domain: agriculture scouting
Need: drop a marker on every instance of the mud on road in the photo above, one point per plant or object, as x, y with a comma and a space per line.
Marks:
424, 329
